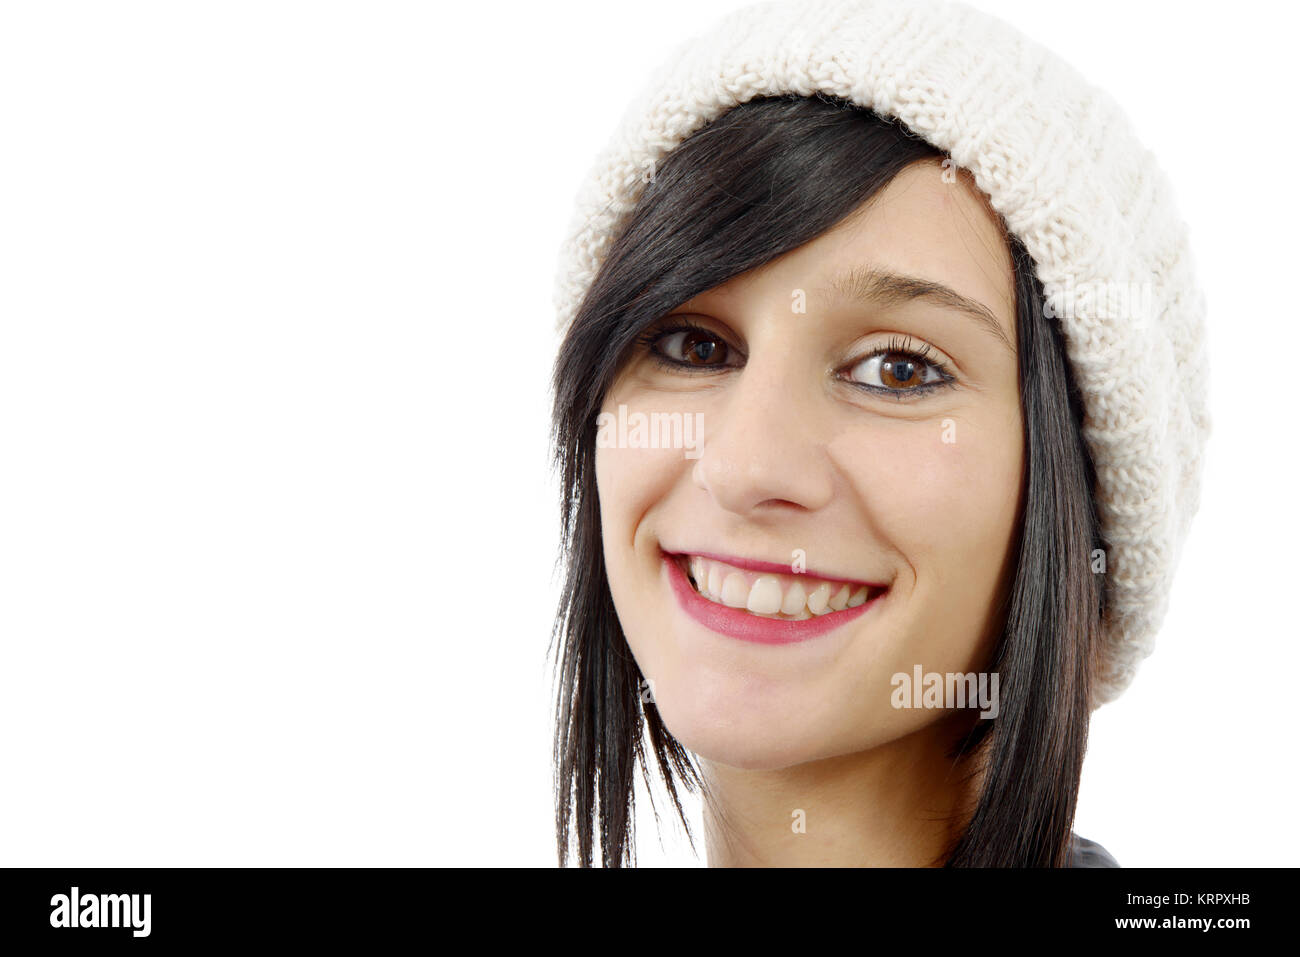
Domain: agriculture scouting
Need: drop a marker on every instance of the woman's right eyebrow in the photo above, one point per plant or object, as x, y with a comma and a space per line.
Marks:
872, 286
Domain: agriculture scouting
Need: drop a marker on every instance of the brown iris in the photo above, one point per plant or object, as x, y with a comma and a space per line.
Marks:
897, 370
702, 349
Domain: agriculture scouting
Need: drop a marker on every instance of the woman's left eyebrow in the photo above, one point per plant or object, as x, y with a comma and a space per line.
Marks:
873, 286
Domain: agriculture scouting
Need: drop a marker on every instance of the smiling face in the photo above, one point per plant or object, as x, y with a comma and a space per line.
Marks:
857, 482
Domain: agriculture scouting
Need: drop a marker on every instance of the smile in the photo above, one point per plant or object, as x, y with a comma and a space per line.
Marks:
755, 602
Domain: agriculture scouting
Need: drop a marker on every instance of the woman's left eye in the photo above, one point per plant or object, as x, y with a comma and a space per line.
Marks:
896, 370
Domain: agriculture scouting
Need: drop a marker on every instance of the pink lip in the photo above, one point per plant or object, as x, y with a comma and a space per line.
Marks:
736, 623
777, 568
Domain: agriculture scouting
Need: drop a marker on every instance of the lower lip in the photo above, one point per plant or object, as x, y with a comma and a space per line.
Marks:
737, 623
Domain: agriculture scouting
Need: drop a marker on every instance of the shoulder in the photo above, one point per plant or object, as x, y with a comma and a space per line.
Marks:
1086, 853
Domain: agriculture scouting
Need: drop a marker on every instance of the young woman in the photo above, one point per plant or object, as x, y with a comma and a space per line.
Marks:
861, 520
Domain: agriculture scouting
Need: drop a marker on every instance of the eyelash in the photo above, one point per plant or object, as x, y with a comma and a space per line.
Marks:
903, 346
647, 341
916, 351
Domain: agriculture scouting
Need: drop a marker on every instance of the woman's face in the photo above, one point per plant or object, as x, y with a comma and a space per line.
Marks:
856, 433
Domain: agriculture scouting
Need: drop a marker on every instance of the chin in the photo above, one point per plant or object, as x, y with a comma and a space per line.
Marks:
744, 752
750, 735
724, 725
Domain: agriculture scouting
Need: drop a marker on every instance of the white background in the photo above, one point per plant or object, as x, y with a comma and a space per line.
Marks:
277, 532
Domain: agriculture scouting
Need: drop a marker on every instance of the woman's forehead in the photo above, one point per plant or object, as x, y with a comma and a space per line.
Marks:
929, 224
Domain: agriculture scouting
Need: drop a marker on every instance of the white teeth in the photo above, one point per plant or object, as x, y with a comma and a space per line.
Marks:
772, 595
840, 600
735, 590
765, 596
795, 599
818, 598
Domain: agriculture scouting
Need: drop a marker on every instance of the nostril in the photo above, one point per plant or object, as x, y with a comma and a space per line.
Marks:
778, 504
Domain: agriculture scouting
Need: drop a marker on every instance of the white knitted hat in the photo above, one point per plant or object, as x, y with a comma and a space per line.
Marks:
1058, 161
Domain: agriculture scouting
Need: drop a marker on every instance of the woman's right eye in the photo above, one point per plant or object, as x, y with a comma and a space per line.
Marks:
691, 347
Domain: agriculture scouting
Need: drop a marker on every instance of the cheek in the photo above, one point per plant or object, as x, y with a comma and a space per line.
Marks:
944, 496
943, 487
646, 446
624, 495
632, 483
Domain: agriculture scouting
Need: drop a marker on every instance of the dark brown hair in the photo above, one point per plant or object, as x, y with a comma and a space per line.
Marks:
762, 179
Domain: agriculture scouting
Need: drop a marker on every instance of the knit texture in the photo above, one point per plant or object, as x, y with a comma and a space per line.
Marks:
1059, 161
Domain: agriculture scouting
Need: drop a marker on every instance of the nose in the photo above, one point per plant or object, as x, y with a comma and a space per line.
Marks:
764, 449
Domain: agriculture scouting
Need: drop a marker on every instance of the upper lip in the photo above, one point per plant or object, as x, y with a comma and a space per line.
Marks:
777, 568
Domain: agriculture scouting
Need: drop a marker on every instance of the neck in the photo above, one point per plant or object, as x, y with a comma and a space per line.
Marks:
901, 804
